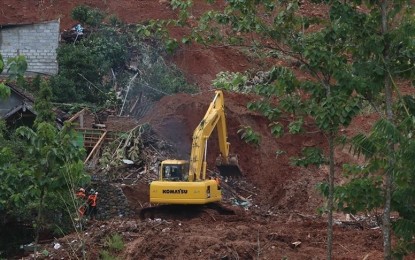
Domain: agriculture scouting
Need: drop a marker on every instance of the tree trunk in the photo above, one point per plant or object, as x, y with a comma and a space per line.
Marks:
387, 245
39, 217
330, 199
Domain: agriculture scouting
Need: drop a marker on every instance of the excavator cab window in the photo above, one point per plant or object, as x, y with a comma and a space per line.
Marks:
173, 172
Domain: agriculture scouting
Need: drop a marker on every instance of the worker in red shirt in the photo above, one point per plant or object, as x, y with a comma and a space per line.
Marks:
92, 204
81, 196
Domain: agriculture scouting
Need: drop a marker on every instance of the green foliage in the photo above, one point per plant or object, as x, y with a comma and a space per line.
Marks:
309, 156
43, 105
4, 91
1, 63
183, 6
295, 127
403, 248
155, 29
87, 15
83, 66
230, 81
35, 84
265, 108
37, 167
277, 129
17, 66
359, 195
91, 67
335, 111
105, 255
249, 135
114, 243
171, 45
160, 80
33, 161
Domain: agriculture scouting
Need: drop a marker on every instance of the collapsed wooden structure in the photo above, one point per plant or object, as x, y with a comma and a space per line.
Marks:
94, 131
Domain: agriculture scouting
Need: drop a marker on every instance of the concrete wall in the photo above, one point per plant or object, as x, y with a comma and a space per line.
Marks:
37, 42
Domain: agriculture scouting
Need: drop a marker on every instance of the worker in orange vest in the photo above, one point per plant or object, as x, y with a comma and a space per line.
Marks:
81, 195
92, 204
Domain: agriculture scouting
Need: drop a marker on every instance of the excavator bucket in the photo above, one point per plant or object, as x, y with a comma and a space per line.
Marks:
229, 168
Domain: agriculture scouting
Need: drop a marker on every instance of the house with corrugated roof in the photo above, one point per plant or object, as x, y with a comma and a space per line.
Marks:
17, 109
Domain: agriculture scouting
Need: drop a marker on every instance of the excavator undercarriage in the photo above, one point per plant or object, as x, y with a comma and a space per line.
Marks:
178, 211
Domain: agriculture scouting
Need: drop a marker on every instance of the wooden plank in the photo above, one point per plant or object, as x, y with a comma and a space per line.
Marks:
96, 146
77, 115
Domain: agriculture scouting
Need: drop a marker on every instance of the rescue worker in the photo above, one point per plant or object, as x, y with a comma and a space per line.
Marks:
92, 204
81, 196
81, 193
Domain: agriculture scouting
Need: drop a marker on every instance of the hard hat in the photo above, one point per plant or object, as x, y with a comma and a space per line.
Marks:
92, 191
82, 189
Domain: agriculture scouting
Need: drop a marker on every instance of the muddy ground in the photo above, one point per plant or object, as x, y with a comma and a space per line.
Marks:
283, 199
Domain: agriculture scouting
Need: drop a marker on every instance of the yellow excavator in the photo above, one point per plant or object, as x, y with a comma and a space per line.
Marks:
185, 182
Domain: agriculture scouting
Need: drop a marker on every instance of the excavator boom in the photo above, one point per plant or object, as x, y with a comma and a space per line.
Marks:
214, 118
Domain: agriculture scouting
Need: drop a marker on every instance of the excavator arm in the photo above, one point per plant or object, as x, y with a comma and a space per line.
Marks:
214, 118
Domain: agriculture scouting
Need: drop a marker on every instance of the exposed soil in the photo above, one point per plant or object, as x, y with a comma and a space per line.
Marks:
284, 200
284, 197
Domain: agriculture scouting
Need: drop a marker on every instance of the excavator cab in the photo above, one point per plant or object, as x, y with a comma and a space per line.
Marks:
174, 170
174, 187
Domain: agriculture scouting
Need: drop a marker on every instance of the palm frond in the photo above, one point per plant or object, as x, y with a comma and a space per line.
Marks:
384, 129
404, 228
362, 145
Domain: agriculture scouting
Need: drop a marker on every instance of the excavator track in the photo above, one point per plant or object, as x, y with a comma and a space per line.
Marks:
182, 211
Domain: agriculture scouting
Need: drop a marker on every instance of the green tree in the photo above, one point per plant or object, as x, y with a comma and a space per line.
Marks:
383, 52
43, 105
37, 167
53, 156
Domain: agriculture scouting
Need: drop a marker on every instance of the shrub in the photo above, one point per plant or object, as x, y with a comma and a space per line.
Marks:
87, 15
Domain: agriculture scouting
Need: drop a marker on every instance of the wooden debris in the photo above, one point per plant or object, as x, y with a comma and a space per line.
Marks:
295, 244
97, 145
